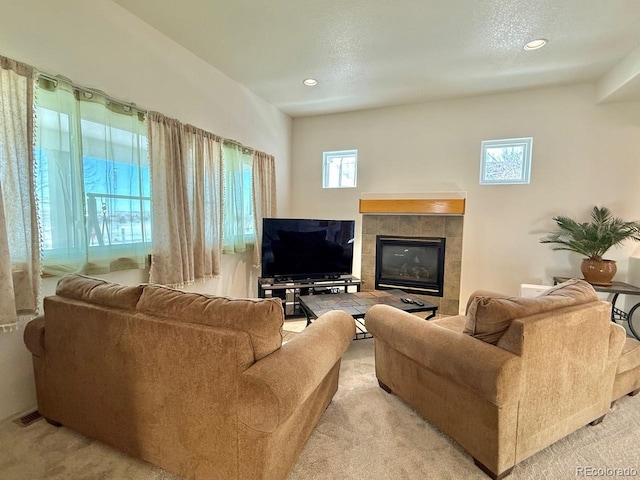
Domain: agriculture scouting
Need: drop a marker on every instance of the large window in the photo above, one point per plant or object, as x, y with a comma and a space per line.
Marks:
93, 181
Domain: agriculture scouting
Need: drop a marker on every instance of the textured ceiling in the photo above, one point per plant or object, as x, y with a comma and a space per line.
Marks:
372, 53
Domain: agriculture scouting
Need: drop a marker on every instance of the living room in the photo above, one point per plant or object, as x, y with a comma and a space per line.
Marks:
585, 150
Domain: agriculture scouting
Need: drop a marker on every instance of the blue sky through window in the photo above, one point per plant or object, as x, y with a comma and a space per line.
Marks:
121, 212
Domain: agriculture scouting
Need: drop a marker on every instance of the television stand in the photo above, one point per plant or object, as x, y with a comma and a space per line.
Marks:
290, 290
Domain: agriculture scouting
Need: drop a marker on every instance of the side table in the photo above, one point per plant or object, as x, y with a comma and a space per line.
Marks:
617, 289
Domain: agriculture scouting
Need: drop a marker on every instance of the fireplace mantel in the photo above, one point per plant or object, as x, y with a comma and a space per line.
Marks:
422, 204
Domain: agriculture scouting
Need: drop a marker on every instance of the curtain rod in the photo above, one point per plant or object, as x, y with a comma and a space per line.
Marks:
59, 78
237, 144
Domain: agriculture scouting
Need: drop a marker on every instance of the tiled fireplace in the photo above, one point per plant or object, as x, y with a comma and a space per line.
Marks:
447, 226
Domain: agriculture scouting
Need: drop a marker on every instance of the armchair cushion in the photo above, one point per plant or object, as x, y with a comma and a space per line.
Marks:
482, 293
488, 317
578, 290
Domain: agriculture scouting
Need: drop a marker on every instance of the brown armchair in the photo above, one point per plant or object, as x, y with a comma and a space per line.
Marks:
545, 369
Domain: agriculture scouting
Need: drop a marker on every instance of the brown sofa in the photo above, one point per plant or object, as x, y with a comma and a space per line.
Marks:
201, 386
511, 377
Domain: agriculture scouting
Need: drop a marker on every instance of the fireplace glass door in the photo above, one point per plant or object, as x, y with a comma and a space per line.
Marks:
413, 264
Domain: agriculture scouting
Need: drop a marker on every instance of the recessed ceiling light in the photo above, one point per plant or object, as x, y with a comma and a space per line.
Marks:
535, 44
310, 82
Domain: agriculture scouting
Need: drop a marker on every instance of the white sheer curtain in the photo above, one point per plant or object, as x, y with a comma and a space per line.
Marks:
19, 252
238, 230
186, 193
93, 180
264, 197
204, 185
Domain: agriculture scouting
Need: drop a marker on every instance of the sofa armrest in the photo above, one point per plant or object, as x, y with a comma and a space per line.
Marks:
273, 387
491, 372
34, 336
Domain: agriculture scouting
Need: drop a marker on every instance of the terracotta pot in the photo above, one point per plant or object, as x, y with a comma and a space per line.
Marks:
598, 272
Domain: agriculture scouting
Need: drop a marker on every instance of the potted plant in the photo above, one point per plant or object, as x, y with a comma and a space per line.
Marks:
593, 239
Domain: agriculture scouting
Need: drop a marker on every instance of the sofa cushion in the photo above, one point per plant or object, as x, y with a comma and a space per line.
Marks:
489, 316
261, 319
98, 291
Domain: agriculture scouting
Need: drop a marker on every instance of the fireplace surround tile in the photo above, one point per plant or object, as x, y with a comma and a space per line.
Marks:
448, 306
409, 225
388, 225
431, 226
454, 247
369, 244
370, 227
452, 271
453, 226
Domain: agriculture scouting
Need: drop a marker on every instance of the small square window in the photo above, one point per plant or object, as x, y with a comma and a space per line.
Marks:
506, 161
339, 169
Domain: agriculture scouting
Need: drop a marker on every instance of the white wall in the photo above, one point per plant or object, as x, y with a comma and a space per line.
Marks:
634, 279
583, 154
98, 44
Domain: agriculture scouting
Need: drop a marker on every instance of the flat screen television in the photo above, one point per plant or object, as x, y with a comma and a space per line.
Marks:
295, 248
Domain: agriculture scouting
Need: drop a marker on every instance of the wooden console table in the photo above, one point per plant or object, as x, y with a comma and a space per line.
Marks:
617, 289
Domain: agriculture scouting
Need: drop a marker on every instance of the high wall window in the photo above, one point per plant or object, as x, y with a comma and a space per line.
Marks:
93, 181
339, 169
506, 161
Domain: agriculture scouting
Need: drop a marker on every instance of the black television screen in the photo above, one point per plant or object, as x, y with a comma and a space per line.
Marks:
294, 248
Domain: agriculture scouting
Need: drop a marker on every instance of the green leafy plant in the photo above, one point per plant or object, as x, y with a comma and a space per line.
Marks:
592, 239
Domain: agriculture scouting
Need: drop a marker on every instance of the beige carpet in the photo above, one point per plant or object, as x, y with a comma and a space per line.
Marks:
364, 434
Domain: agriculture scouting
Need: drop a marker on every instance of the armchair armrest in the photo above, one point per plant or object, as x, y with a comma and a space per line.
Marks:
272, 388
617, 338
34, 336
490, 371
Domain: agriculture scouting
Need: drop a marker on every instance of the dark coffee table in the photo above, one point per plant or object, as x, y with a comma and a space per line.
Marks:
357, 304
